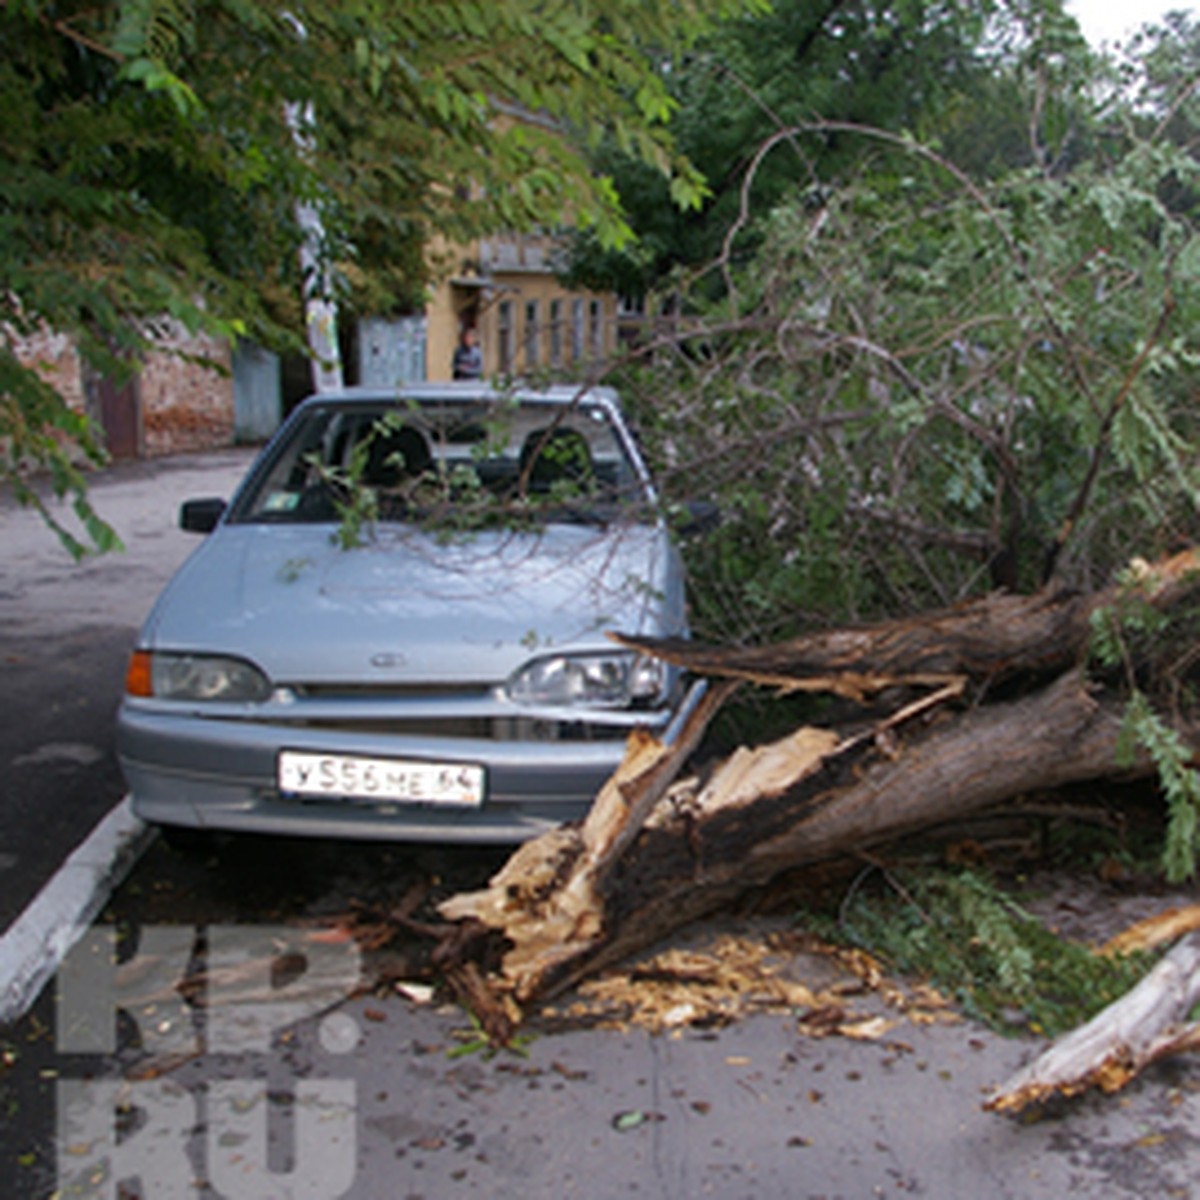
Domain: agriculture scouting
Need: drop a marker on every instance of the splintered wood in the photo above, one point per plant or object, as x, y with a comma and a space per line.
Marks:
729, 975
552, 899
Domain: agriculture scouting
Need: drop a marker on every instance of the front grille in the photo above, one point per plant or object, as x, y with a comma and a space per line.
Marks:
388, 690
456, 711
498, 729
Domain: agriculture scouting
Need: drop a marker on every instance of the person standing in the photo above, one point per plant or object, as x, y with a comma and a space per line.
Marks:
468, 358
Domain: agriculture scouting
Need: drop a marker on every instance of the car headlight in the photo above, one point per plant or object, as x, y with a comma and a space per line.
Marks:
194, 677
620, 680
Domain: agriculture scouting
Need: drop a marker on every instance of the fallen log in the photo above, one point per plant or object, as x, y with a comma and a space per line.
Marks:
992, 638
989, 639
1148, 1023
654, 854
799, 801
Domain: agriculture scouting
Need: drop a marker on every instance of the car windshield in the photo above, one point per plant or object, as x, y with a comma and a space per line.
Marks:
470, 463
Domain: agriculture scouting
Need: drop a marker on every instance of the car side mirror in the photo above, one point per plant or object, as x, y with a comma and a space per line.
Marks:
200, 516
697, 517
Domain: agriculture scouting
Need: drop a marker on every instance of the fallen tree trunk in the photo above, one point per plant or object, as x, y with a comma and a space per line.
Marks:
993, 638
653, 855
990, 639
1146, 1024
797, 802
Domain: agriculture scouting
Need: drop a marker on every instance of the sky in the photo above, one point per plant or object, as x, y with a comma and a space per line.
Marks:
1112, 20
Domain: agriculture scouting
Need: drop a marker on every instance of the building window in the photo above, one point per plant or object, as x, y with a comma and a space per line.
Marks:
505, 333
556, 333
576, 330
533, 334
595, 328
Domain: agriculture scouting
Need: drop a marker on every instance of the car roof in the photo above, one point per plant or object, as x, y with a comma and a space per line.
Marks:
469, 390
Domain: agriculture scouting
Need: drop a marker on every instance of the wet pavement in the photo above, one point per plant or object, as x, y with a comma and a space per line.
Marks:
66, 629
378, 1096
241, 1051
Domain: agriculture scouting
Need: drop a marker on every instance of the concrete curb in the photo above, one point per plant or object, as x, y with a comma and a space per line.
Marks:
33, 947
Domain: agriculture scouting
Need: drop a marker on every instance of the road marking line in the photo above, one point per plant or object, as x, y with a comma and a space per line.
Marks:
33, 947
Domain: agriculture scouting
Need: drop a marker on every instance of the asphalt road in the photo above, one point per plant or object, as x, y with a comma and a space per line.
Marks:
266, 1089
66, 629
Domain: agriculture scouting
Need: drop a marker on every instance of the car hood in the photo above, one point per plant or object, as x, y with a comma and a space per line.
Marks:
412, 606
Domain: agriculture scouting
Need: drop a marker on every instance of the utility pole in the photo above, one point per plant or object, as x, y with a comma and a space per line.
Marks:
320, 311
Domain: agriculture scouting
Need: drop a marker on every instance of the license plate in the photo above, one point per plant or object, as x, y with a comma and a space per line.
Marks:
379, 780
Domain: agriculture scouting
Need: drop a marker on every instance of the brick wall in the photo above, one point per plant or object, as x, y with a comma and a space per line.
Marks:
184, 405
55, 357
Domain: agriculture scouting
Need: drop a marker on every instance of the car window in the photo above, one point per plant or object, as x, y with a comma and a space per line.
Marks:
453, 461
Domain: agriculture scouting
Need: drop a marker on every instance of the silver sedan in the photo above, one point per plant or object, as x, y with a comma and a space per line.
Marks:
397, 627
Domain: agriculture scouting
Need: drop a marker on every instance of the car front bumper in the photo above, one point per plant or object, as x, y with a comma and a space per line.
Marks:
203, 772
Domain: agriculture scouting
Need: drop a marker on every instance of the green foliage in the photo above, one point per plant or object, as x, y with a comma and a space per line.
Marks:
476, 1040
158, 154
1125, 637
962, 932
1126, 630
913, 368
956, 75
36, 426
924, 387
356, 505
1173, 760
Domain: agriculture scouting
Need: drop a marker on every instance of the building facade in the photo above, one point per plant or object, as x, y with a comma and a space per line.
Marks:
526, 321
505, 289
